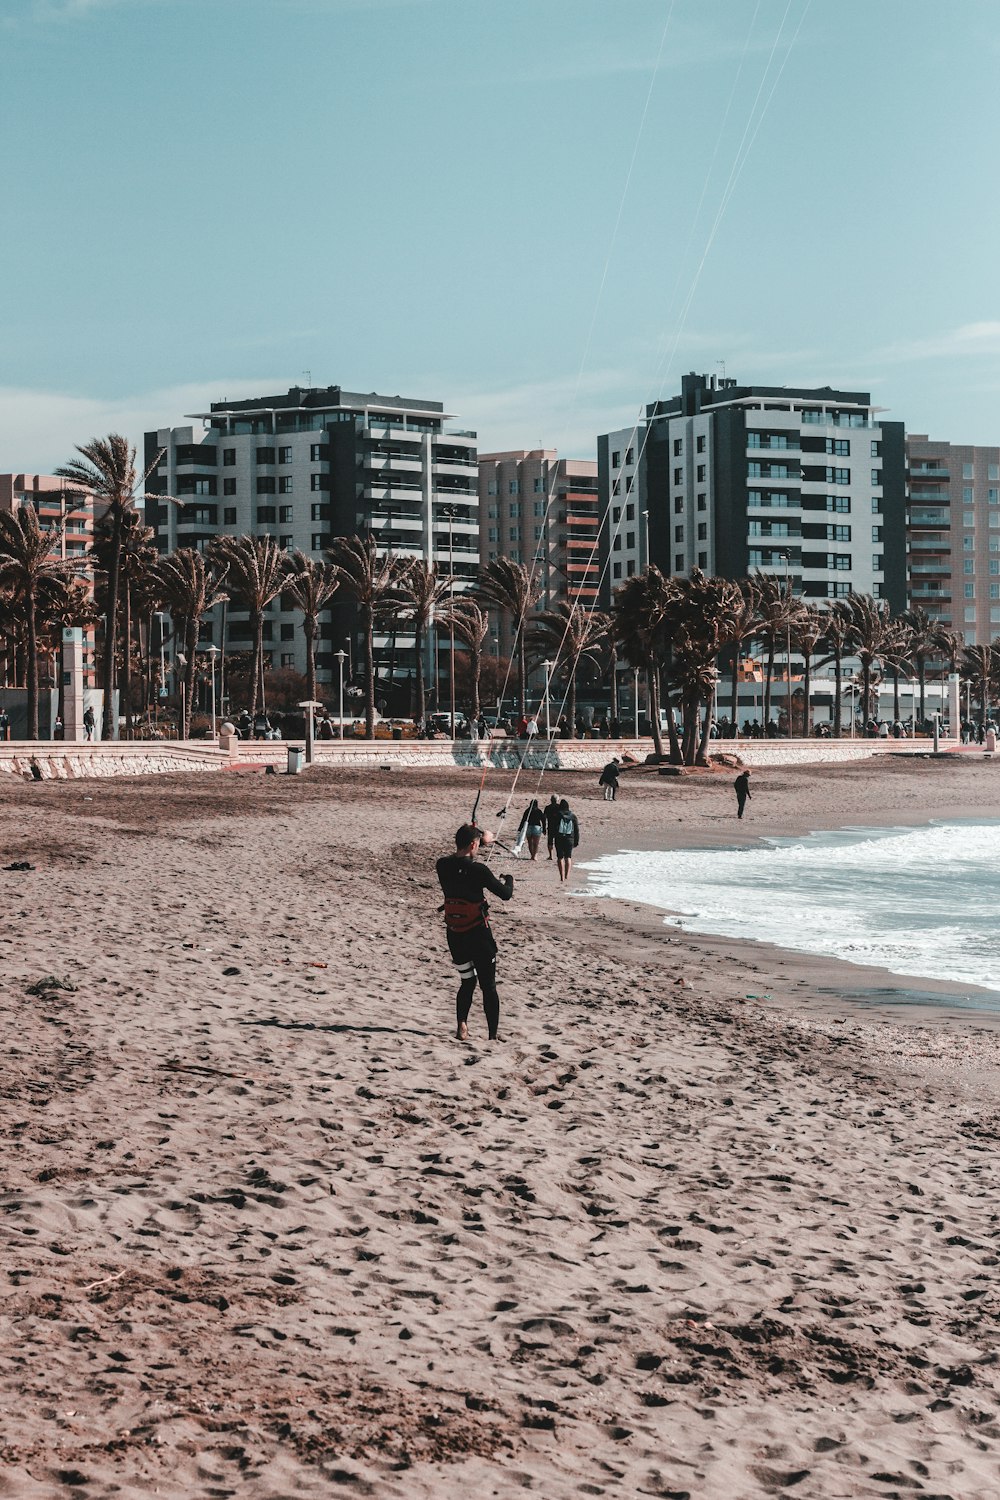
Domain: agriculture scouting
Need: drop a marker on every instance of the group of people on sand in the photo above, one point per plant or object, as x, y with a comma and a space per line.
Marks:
558, 824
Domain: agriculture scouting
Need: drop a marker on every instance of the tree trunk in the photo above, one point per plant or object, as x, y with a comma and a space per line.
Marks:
31, 664
735, 689
706, 735
866, 688
895, 694
807, 694
257, 623
368, 626
767, 682
653, 699
222, 661
109, 730
475, 668
309, 629
838, 691
127, 656
418, 646
522, 674
191, 642
572, 705
921, 673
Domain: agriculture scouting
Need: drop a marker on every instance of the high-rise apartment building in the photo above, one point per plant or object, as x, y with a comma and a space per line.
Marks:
804, 483
69, 515
309, 466
953, 535
542, 511
622, 487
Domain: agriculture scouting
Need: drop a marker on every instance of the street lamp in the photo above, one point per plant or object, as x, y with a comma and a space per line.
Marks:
635, 700
548, 676
645, 528
341, 656
180, 660
449, 512
163, 667
212, 653
788, 643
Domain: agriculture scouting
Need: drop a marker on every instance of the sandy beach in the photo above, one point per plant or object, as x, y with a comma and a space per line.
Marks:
270, 1231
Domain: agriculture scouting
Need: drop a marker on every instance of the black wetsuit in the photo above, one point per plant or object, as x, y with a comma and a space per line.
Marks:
470, 941
742, 785
551, 816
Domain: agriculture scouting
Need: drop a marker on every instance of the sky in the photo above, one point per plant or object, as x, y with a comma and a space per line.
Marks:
540, 212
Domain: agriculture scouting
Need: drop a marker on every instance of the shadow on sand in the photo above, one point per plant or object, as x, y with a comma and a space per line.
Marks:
333, 1026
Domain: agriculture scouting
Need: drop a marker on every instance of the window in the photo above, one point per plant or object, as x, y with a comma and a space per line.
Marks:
700, 472
229, 515
967, 471
288, 632
678, 562
319, 540
995, 590
967, 494
616, 459
229, 457
840, 561
678, 476
993, 471
969, 543
630, 455
316, 453
285, 543
265, 455
318, 512
843, 534
703, 531
876, 562
840, 476
492, 512
970, 616
700, 444
514, 534
229, 488
616, 545
994, 616
876, 449
755, 558
492, 534
539, 488
839, 503
703, 559
629, 485
994, 566
319, 481
288, 658
876, 505
513, 487
538, 533
968, 518
754, 440
969, 566
630, 512
630, 567
678, 505
265, 484
678, 533
969, 589
616, 570
204, 487
285, 484
701, 502
616, 513
630, 539
839, 447
284, 455
678, 447
993, 497
876, 533
539, 507
491, 488
515, 510
265, 515
284, 514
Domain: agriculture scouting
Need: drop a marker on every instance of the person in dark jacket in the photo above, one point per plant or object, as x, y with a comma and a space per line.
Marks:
551, 816
470, 939
742, 785
567, 838
609, 780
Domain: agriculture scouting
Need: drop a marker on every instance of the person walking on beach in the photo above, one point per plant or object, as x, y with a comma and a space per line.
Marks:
609, 780
567, 838
742, 785
551, 820
466, 915
89, 723
533, 824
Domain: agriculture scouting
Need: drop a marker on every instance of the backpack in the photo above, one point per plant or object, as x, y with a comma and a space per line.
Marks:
565, 829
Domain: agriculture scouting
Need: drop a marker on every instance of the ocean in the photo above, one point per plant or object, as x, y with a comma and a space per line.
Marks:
917, 901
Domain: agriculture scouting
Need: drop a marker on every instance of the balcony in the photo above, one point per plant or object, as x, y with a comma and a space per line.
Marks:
927, 591
456, 466
929, 518
930, 544
936, 568
380, 463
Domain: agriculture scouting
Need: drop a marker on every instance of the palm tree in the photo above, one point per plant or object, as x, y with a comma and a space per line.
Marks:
776, 609
924, 641
310, 585
190, 589
374, 581
837, 638
642, 624
257, 569
951, 644
423, 590
471, 624
26, 566
510, 587
808, 629
568, 633
109, 476
707, 611
874, 636
742, 625
979, 664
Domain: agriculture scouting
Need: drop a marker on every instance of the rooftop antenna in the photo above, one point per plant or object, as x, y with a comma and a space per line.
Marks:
309, 379
722, 366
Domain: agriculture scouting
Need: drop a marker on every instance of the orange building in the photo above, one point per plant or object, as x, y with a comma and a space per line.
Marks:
67, 512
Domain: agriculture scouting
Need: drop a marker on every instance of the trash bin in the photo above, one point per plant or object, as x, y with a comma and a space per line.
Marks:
397, 733
296, 759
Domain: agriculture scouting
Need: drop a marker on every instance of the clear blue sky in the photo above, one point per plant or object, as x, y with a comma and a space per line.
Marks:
212, 197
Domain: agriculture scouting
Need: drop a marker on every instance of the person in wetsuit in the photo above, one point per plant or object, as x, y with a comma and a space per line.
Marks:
470, 940
742, 785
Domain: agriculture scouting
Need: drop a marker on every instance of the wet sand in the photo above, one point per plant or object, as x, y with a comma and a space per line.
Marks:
269, 1231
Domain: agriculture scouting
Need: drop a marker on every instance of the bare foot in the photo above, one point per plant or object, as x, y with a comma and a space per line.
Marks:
462, 1034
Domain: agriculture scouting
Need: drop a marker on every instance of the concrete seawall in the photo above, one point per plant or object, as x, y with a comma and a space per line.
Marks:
58, 761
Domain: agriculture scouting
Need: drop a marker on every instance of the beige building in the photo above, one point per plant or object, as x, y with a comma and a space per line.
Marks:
68, 512
953, 535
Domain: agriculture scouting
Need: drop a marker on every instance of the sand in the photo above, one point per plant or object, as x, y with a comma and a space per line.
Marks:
270, 1231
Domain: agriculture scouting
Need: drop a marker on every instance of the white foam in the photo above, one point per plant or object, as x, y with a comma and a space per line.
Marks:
918, 901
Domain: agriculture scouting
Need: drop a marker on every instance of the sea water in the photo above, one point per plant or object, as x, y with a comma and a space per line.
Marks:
917, 901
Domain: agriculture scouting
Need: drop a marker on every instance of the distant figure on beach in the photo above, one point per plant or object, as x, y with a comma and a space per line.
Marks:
567, 838
89, 723
533, 824
551, 819
466, 914
742, 785
531, 727
609, 780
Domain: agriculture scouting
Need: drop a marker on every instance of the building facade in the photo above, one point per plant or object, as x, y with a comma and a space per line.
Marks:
804, 483
543, 511
309, 466
622, 488
67, 513
953, 535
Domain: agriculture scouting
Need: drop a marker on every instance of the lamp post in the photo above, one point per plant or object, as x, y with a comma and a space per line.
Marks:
788, 643
180, 660
310, 707
548, 678
645, 531
449, 511
341, 657
212, 653
162, 693
635, 700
